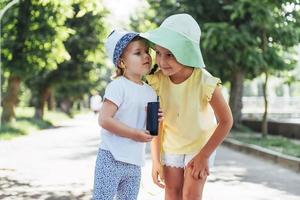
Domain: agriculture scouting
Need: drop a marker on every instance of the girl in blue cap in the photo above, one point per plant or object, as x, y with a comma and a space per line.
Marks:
196, 116
122, 118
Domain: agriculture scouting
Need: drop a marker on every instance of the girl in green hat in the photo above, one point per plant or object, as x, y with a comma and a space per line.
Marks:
196, 116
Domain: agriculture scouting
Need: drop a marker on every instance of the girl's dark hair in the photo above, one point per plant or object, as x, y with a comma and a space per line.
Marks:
155, 66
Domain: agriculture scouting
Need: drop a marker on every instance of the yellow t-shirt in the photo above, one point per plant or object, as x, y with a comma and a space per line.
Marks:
189, 120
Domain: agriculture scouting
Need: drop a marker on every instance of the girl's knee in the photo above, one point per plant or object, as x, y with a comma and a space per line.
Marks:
193, 190
192, 196
173, 193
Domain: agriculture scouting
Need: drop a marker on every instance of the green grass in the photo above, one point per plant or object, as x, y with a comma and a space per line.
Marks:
25, 123
277, 143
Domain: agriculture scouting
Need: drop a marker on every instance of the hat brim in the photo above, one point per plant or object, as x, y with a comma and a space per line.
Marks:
121, 45
185, 51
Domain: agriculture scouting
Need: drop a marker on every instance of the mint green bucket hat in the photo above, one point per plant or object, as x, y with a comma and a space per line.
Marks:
180, 34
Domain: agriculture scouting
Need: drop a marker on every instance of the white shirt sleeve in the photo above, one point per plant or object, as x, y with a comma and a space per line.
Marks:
114, 92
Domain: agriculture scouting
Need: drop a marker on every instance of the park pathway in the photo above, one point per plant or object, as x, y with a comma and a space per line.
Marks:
58, 164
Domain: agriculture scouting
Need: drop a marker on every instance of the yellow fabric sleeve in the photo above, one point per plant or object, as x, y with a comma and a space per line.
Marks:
209, 85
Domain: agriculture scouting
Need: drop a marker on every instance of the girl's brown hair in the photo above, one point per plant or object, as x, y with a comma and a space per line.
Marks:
119, 72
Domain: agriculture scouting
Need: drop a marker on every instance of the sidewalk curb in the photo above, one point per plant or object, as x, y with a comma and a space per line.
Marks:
290, 162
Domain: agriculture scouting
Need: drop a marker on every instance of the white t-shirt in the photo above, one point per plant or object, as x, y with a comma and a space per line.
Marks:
131, 99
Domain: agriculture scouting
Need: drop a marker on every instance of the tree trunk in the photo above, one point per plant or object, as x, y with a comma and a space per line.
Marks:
264, 124
66, 105
51, 101
10, 99
236, 94
18, 59
39, 108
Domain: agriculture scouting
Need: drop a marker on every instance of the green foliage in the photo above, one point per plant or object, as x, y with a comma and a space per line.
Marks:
85, 46
256, 43
142, 21
53, 45
33, 35
3, 3
277, 143
77, 73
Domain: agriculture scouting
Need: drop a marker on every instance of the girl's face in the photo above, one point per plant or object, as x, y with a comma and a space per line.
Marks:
136, 58
167, 62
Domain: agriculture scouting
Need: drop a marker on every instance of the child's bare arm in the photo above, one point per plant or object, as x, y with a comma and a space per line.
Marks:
107, 121
157, 174
225, 121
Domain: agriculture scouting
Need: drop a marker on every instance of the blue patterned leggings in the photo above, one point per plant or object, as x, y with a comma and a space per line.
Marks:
115, 179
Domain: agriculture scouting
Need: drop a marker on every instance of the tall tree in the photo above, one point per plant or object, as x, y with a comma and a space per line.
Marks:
33, 41
75, 76
274, 29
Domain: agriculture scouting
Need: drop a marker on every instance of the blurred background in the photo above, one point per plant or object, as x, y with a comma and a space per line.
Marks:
54, 70
53, 58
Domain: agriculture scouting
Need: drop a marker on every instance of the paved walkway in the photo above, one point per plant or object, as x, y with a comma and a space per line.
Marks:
58, 164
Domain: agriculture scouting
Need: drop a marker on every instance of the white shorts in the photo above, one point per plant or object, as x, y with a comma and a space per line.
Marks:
181, 160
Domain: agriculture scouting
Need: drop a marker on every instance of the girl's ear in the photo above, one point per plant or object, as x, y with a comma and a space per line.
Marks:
121, 64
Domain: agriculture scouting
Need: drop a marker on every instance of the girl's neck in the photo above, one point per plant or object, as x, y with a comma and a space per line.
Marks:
135, 79
181, 75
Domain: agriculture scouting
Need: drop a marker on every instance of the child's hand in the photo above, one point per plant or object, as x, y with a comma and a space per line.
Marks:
160, 115
142, 136
198, 167
157, 174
